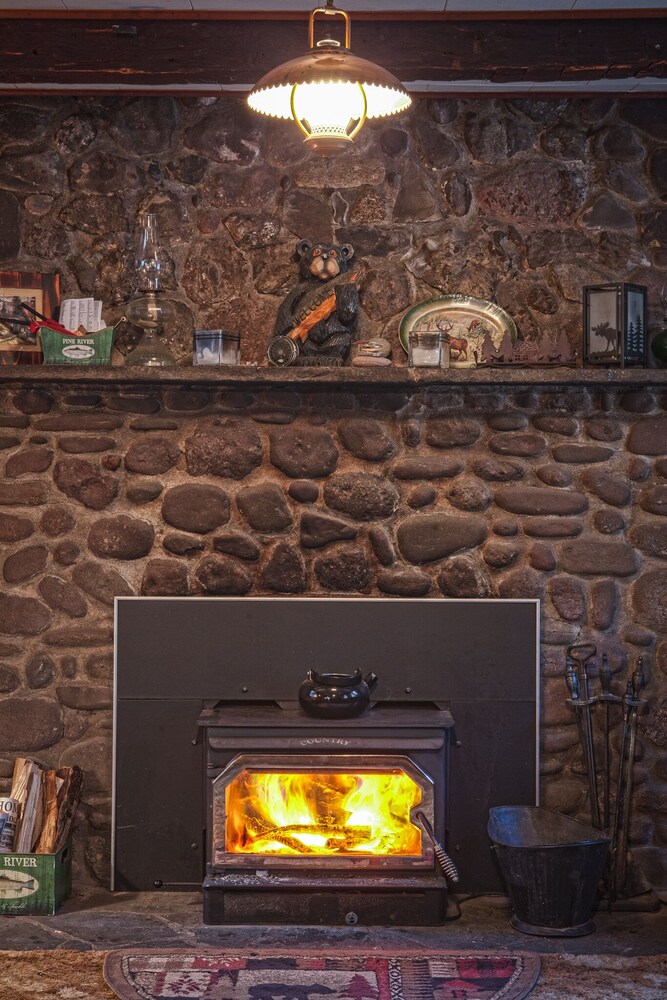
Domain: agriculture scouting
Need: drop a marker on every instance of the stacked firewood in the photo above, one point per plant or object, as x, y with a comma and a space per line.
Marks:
46, 802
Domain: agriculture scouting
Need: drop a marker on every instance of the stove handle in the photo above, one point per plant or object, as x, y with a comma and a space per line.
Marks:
449, 869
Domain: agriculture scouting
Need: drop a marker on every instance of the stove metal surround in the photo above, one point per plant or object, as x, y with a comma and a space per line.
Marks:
175, 656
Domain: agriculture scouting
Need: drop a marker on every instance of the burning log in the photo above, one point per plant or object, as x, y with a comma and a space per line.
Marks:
284, 838
325, 830
336, 838
348, 841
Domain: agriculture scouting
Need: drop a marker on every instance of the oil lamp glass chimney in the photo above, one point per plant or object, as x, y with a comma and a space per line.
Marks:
149, 310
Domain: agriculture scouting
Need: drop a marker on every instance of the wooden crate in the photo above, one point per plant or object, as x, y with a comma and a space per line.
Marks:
91, 349
35, 883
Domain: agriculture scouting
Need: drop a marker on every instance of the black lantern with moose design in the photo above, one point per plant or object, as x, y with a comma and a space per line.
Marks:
615, 325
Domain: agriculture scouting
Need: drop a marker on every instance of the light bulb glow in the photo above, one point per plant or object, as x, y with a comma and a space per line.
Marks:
272, 101
381, 101
328, 108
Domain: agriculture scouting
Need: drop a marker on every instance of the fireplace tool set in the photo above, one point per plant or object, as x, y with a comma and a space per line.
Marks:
579, 660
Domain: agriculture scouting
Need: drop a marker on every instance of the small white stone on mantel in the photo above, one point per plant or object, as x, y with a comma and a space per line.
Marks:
367, 361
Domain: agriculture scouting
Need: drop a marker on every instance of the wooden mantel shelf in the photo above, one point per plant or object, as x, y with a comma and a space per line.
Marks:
22, 376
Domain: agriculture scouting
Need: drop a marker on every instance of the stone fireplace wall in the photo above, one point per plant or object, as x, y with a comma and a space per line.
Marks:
557, 493
521, 201
441, 492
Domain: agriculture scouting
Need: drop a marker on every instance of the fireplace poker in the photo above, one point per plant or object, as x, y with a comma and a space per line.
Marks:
621, 836
619, 786
577, 682
572, 681
449, 869
606, 697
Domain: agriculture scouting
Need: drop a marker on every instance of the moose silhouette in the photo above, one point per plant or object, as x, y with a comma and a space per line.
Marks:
606, 332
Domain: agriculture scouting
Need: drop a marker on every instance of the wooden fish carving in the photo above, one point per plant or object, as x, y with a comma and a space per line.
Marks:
319, 305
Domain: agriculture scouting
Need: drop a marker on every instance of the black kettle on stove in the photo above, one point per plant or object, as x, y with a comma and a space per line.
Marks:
336, 696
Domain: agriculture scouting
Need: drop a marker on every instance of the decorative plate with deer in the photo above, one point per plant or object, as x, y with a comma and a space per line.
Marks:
477, 331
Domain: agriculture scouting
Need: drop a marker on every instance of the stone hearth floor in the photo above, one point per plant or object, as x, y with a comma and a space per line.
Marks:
103, 921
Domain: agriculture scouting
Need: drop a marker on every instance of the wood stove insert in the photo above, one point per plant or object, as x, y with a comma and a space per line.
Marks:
325, 822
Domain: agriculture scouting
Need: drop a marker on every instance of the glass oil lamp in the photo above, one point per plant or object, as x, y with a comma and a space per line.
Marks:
150, 310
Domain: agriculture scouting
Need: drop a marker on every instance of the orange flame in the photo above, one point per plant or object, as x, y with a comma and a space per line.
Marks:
326, 813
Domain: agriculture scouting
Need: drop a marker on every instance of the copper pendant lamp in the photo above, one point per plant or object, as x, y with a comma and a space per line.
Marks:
329, 92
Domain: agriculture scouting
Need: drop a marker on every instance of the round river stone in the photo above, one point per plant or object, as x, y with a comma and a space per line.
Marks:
426, 537
196, 508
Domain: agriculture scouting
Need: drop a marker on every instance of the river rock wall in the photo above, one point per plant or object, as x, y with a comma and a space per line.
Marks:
522, 201
553, 494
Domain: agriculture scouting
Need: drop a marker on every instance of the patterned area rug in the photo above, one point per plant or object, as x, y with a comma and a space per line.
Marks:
214, 975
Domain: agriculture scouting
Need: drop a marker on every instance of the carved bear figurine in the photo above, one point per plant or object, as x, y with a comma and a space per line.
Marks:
320, 312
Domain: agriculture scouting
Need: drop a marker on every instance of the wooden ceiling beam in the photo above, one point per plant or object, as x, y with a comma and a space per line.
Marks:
233, 52
628, 13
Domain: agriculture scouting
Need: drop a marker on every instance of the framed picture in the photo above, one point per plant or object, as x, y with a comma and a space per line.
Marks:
42, 293
477, 331
615, 324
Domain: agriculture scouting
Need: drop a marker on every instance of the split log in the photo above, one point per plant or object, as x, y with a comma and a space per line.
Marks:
49, 835
69, 797
27, 790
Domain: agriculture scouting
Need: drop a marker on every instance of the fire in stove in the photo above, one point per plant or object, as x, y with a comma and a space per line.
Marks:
339, 810
322, 813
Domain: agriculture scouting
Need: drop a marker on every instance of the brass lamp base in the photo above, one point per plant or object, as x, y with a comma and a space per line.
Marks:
328, 145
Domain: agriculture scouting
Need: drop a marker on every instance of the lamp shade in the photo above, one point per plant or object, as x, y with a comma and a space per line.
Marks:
329, 92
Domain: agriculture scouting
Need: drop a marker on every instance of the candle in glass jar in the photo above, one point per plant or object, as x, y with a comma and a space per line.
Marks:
445, 353
424, 349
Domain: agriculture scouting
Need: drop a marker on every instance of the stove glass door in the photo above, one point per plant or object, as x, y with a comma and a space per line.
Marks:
343, 809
